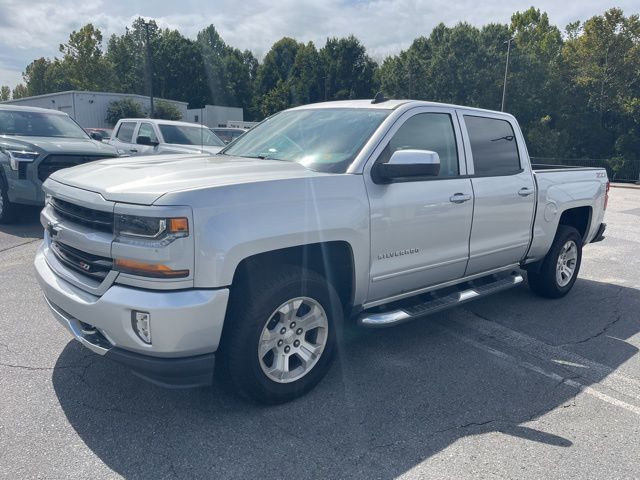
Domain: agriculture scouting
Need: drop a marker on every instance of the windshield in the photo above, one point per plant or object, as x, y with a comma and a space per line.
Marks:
324, 139
185, 135
39, 124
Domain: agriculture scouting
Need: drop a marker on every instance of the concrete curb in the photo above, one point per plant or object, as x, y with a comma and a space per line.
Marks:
632, 186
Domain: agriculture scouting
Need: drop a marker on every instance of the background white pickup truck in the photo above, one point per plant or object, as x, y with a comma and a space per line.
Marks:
147, 136
321, 216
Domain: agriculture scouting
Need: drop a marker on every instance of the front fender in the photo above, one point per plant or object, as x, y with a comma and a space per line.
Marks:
234, 222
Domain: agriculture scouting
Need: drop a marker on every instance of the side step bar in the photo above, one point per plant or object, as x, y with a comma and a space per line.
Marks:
436, 304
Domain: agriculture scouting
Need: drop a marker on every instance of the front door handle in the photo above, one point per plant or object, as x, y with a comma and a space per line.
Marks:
525, 191
459, 198
134, 150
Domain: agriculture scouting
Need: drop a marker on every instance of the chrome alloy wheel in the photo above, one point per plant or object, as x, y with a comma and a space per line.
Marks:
566, 266
293, 339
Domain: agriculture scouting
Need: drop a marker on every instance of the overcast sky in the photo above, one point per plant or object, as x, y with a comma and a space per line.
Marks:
34, 28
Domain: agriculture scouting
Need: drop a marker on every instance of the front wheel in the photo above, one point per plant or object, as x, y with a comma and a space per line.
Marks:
280, 335
559, 269
8, 210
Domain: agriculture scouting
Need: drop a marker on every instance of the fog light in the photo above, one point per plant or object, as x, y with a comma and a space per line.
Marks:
141, 323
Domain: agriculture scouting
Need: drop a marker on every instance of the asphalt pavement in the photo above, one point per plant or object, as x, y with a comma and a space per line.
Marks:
511, 386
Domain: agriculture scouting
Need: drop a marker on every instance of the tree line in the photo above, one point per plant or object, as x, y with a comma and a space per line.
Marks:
576, 91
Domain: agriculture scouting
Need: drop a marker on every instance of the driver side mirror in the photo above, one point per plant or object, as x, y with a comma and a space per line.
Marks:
96, 136
405, 165
145, 140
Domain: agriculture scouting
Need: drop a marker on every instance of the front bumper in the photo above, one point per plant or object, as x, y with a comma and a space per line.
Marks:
186, 326
599, 236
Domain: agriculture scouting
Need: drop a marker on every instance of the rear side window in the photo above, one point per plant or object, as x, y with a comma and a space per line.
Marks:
427, 131
125, 132
493, 146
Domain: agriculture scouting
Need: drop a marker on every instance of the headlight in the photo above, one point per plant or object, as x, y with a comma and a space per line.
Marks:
16, 156
135, 229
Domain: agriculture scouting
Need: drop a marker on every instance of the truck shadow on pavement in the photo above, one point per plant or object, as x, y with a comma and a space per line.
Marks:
393, 399
27, 225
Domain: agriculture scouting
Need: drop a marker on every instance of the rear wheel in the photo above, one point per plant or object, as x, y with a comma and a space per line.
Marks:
559, 269
8, 210
281, 334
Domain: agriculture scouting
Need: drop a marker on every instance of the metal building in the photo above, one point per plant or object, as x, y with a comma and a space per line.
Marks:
215, 116
89, 109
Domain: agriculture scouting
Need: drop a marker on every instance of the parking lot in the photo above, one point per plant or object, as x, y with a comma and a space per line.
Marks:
512, 386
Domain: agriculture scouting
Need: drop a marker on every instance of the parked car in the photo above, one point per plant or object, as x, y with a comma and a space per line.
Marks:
367, 212
101, 134
35, 142
228, 134
144, 136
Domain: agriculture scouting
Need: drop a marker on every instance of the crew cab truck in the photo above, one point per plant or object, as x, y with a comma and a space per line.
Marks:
322, 216
148, 136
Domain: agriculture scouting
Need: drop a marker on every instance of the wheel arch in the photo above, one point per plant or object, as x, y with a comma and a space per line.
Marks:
578, 218
334, 260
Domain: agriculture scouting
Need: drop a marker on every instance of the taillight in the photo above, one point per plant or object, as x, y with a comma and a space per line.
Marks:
606, 195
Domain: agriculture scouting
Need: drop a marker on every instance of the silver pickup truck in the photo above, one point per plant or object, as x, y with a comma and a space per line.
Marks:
322, 216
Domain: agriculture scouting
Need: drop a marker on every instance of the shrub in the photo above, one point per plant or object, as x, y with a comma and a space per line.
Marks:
166, 111
125, 108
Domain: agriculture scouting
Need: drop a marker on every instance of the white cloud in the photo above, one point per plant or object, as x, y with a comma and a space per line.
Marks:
37, 28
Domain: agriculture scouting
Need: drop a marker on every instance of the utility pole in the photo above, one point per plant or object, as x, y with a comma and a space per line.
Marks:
149, 69
506, 71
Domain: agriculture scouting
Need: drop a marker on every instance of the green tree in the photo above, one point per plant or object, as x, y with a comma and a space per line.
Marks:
276, 99
307, 76
20, 91
166, 111
83, 61
534, 81
35, 76
125, 108
601, 65
277, 65
214, 51
179, 71
5, 93
274, 77
349, 71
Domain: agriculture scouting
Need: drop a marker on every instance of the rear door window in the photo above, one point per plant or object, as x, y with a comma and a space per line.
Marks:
493, 146
125, 132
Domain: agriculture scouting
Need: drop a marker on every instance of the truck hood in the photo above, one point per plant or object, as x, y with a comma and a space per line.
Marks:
48, 145
175, 148
143, 180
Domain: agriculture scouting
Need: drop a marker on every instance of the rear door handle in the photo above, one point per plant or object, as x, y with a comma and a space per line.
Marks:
133, 150
525, 191
459, 198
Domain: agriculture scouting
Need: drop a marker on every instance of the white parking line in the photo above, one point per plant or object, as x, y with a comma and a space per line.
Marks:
554, 376
593, 371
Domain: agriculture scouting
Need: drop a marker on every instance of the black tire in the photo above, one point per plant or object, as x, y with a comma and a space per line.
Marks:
8, 210
253, 303
545, 282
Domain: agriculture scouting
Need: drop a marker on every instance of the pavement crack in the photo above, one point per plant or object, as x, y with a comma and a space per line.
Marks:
32, 368
20, 245
602, 331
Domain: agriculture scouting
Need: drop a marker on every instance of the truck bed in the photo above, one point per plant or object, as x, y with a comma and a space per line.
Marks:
546, 167
562, 187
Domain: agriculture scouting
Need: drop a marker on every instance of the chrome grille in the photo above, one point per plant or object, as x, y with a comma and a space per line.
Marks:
96, 219
88, 264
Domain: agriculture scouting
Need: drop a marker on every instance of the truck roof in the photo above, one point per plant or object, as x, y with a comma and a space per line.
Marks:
159, 121
390, 105
17, 108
